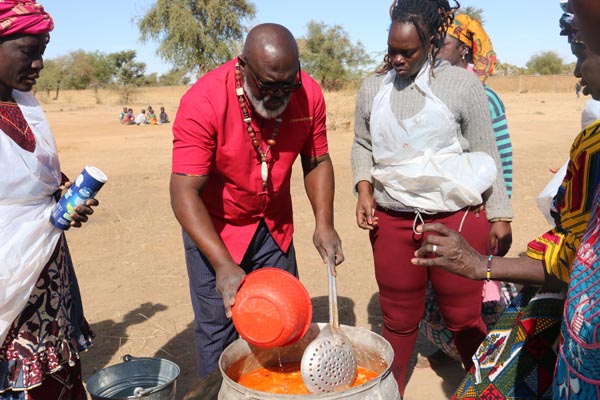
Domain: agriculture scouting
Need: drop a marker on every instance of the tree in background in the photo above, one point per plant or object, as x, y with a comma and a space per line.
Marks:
174, 77
569, 68
51, 76
507, 69
83, 70
545, 63
102, 72
87, 70
128, 73
330, 57
473, 12
196, 35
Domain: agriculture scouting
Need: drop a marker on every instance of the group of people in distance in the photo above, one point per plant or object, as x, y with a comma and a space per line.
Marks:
145, 117
432, 172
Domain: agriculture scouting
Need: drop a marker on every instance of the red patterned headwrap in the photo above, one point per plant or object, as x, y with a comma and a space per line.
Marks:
23, 17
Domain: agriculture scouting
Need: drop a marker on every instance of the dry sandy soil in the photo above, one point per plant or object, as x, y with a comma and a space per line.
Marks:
129, 257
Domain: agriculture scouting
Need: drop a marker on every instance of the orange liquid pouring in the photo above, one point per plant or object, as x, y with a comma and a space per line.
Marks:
285, 379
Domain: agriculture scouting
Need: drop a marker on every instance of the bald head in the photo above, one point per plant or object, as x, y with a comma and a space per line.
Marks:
270, 59
273, 45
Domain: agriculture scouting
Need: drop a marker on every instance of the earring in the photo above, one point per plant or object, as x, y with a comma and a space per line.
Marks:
464, 57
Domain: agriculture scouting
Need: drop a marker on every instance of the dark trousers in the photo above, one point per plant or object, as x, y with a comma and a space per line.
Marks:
213, 331
402, 285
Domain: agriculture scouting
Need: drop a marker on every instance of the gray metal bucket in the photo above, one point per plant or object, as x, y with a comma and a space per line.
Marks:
135, 378
371, 351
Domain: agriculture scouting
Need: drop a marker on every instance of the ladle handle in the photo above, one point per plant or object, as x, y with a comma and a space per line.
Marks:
333, 308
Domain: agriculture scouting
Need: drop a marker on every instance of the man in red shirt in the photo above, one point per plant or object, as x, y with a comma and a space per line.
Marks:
237, 133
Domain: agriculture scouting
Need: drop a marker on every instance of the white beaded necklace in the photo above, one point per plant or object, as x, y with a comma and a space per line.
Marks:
239, 91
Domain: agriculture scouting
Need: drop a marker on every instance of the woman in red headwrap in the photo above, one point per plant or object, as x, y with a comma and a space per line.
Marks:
42, 327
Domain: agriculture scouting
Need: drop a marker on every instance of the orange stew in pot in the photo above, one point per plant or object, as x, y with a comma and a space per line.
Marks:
285, 379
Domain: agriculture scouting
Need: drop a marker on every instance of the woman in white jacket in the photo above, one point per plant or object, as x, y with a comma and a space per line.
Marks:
42, 327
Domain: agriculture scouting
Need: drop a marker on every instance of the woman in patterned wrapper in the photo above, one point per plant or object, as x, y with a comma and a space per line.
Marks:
544, 347
42, 328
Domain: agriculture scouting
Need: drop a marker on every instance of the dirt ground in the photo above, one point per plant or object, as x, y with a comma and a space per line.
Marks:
129, 257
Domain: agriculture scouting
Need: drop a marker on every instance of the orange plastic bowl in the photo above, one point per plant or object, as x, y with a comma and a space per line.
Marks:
272, 308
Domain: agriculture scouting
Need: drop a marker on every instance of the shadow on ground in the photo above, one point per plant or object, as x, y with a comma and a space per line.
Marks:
190, 387
111, 336
425, 354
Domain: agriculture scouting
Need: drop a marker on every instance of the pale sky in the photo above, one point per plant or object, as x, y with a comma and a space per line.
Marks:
518, 28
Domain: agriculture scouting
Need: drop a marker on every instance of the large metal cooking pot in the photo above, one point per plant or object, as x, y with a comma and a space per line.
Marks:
136, 378
371, 350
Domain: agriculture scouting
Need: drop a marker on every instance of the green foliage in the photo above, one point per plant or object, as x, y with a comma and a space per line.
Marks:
150, 79
569, 68
328, 54
196, 35
473, 12
103, 70
545, 63
173, 78
126, 70
82, 70
128, 73
50, 77
507, 69
79, 71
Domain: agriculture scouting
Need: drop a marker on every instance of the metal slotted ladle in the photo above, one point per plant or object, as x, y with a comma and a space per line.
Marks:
328, 363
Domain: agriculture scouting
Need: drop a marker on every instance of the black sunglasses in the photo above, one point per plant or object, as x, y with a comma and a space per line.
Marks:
274, 87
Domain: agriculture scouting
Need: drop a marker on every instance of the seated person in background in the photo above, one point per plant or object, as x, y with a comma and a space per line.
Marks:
123, 115
163, 117
140, 119
129, 119
149, 111
151, 117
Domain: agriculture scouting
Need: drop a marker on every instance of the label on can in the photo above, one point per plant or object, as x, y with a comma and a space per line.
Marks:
85, 187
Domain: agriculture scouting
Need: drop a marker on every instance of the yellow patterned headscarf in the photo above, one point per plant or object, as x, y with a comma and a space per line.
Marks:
470, 32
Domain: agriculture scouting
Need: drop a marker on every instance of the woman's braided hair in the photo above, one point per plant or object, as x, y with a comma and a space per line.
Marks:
431, 18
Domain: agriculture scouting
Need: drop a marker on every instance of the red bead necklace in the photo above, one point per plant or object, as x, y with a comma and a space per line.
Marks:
239, 90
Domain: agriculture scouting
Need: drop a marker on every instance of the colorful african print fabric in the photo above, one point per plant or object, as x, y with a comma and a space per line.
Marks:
49, 333
470, 32
573, 203
578, 368
516, 360
518, 357
434, 327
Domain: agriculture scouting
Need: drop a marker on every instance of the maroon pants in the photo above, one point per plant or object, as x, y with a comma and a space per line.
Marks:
402, 285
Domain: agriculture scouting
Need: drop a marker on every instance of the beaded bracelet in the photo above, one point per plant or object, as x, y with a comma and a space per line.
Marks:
488, 273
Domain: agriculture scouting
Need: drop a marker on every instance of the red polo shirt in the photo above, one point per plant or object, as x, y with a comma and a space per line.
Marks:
210, 138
